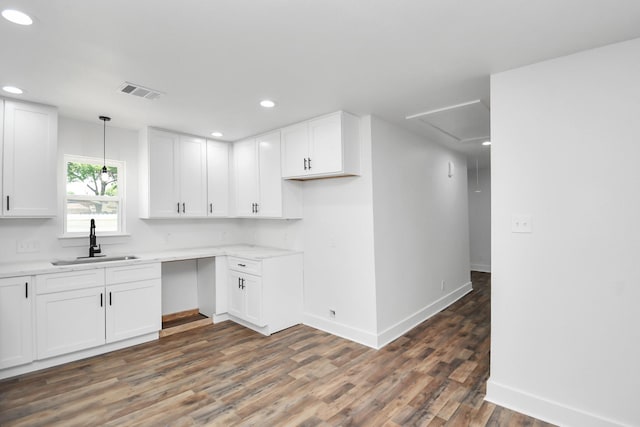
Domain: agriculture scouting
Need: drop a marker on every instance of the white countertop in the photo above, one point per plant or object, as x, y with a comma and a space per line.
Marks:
243, 251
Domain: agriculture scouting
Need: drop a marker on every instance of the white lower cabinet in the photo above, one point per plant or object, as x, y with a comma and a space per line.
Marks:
69, 321
83, 309
16, 334
245, 291
265, 295
133, 308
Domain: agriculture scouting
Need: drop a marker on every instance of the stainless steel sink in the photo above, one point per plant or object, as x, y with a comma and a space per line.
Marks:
92, 260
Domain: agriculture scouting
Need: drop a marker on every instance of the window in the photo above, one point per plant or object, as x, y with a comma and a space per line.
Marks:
87, 196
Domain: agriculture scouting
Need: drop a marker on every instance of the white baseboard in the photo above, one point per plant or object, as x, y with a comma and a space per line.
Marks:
483, 268
544, 409
410, 322
217, 318
37, 365
344, 331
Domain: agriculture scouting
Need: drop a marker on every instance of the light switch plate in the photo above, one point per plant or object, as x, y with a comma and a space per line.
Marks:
521, 223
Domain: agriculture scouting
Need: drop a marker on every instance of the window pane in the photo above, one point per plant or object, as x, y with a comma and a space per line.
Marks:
80, 212
85, 179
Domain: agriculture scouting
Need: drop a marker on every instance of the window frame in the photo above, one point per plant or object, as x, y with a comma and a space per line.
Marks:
120, 198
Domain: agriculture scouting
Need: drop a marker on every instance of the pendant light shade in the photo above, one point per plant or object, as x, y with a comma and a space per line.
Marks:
104, 175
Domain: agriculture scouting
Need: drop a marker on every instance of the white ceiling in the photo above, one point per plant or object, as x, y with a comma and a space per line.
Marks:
215, 60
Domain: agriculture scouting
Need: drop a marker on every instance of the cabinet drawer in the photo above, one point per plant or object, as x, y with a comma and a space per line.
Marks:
68, 281
245, 265
132, 273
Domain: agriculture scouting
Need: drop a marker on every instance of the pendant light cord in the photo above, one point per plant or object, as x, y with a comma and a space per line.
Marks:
104, 119
104, 143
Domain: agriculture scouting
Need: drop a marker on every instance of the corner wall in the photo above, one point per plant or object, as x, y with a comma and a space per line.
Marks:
565, 340
420, 228
480, 219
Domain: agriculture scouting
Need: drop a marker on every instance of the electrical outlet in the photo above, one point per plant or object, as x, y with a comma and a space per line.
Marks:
521, 223
332, 313
27, 246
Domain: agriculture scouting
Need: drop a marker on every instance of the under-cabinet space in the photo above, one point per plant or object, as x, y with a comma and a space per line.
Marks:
188, 294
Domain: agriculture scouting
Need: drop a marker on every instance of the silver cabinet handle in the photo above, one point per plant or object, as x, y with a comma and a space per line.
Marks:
210, 207
182, 207
7, 203
305, 163
178, 207
309, 161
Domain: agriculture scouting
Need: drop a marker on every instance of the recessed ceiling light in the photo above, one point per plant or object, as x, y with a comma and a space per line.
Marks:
267, 103
17, 17
486, 143
12, 89
217, 134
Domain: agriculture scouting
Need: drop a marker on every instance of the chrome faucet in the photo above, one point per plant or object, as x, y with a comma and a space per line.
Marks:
94, 248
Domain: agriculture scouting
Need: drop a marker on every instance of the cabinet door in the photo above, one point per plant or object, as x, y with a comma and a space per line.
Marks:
133, 309
16, 334
70, 321
236, 295
325, 147
246, 176
295, 150
29, 160
218, 178
253, 296
270, 175
192, 171
163, 174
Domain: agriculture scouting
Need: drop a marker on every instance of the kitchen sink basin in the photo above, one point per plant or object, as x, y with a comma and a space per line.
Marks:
93, 260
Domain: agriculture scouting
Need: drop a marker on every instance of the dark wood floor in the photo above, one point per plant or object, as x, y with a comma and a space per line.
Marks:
226, 375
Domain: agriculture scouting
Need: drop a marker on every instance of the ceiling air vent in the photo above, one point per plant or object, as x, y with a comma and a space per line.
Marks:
139, 91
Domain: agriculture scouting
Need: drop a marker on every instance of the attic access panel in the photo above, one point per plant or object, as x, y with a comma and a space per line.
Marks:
463, 122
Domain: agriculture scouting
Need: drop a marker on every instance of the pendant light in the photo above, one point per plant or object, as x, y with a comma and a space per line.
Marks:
105, 174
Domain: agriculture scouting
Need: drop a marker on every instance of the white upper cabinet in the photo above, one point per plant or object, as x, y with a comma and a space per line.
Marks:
192, 169
173, 176
328, 146
29, 143
259, 188
217, 178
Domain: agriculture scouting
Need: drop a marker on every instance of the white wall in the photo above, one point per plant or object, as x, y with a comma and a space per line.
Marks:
565, 339
336, 235
420, 227
480, 219
338, 251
